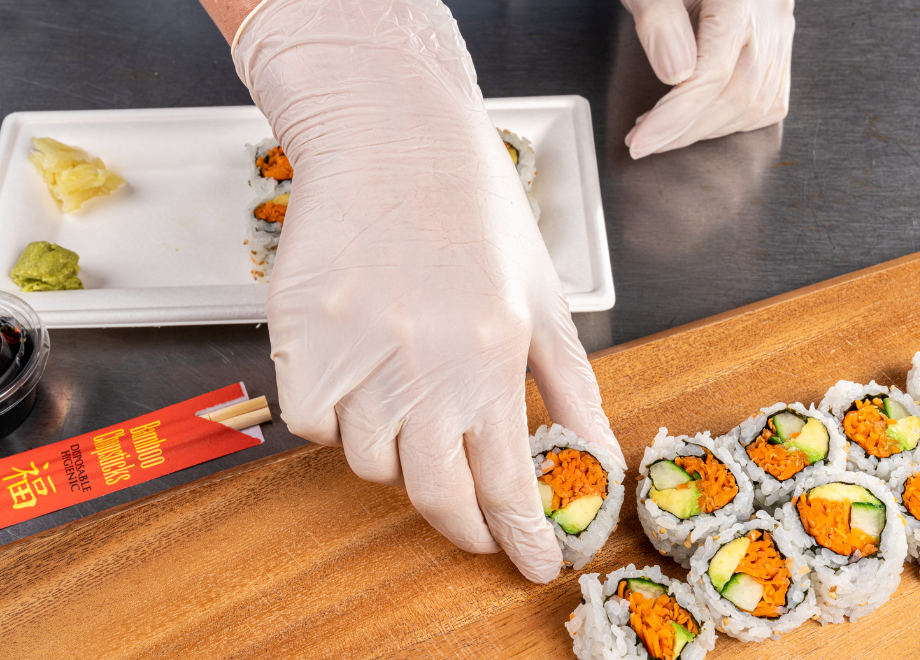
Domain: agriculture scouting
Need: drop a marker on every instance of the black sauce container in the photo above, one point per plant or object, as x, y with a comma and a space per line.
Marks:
24, 349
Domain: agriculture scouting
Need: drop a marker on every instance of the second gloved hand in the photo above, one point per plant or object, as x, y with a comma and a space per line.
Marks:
411, 285
732, 75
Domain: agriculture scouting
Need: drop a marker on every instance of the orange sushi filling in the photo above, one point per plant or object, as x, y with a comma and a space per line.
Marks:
763, 562
779, 461
912, 495
275, 165
651, 619
829, 523
271, 212
573, 474
867, 426
717, 485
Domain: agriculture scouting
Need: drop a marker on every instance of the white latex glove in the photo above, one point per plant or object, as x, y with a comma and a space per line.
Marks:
913, 378
411, 286
733, 75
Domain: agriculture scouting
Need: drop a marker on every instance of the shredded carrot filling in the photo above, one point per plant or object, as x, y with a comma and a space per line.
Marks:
651, 619
717, 485
866, 427
912, 495
764, 563
275, 165
271, 212
777, 460
829, 523
573, 474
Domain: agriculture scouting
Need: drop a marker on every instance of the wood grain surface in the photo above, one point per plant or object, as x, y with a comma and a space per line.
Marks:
294, 557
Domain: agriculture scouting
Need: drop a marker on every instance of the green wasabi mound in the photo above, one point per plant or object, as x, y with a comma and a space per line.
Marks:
46, 267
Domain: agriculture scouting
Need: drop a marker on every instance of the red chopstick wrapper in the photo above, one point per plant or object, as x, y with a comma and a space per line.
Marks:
68, 472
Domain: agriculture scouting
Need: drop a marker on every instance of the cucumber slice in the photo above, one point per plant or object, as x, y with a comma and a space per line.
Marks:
895, 409
813, 440
682, 637
666, 474
726, 560
575, 517
647, 588
906, 432
682, 502
546, 497
869, 518
744, 591
838, 492
787, 423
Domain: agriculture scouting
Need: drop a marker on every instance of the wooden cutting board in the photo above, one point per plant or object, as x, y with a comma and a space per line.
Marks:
295, 557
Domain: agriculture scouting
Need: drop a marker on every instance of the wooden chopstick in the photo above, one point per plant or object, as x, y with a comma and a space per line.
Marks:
242, 415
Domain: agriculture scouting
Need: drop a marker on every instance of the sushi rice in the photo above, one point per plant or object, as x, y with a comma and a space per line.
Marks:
896, 485
262, 186
913, 379
579, 549
526, 165
262, 237
769, 492
738, 623
849, 586
838, 400
600, 627
669, 534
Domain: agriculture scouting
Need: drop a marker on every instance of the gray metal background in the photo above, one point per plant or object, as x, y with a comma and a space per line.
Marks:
691, 233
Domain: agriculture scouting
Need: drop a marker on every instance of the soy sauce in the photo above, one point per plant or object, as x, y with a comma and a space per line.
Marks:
16, 348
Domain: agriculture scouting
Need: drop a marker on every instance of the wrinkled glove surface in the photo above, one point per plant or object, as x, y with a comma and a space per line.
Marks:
732, 75
411, 286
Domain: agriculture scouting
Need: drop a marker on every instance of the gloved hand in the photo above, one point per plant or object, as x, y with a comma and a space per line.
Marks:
411, 286
733, 75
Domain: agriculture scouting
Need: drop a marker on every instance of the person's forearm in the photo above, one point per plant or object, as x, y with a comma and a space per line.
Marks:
228, 14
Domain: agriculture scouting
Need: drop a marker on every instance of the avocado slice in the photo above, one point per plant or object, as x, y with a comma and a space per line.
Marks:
787, 423
647, 588
667, 474
682, 637
575, 517
906, 432
744, 591
682, 502
813, 440
546, 497
726, 560
838, 492
869, 518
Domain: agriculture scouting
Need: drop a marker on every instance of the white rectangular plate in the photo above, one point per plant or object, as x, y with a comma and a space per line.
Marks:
167, 248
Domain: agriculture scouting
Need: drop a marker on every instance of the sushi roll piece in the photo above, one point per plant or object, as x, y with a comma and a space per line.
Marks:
689, 489
853, 534
524, 159
640, 615
913, 379
267, 212
581, 489
881, 425
269, 167
262, 246
781, 447
754, 580
905, 484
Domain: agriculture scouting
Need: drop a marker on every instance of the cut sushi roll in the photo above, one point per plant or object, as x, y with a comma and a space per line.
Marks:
783, 446
755, 580
524, 159
269, 167
882, 426
640, 614
689, 489
913, 379
853, 534
581, 489
905, 484
262, 246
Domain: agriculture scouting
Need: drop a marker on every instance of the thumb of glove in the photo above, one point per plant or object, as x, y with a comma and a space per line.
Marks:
667, 36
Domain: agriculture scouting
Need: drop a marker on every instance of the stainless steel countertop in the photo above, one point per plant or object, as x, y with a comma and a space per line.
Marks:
691, 233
